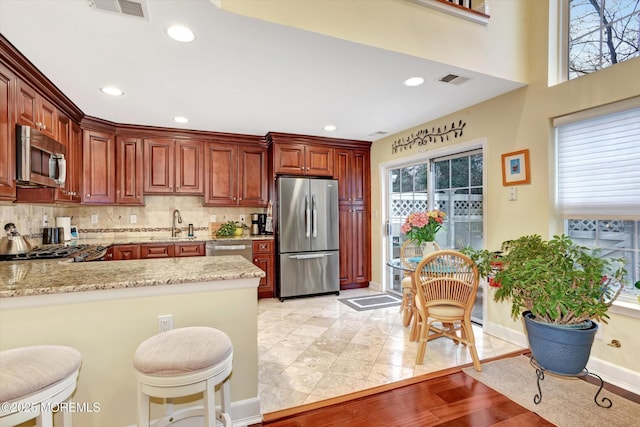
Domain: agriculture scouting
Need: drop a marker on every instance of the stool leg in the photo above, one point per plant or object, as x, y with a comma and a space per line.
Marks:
45, 419
209, 400
224, 415
143, 408
67, 420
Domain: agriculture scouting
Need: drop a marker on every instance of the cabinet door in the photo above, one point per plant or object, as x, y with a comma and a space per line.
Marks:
289, 159
221, 181
342, 174
354, 247
252, 176
7, 140
129, 178
26, 105
99, 177
47, 117
125, 252
189, 167
64, 137
263, 258
161, 250
189, 249
74, 171
159, 170
319, 161
360, 177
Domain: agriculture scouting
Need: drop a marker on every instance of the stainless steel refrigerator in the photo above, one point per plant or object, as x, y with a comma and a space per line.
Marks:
308, 238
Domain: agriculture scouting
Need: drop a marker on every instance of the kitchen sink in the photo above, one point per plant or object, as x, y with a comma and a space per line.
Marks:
171, 239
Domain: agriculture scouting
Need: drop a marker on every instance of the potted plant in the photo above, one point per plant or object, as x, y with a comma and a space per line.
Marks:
561, 289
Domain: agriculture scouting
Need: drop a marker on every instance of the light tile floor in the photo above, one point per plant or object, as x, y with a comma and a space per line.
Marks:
315, 348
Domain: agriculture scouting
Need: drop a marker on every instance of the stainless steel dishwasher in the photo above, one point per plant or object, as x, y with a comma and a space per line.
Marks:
230, 247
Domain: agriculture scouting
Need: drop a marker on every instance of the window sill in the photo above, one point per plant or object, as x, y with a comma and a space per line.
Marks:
626, 308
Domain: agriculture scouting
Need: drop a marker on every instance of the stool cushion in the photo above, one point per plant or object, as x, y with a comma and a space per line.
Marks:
183, 350
26, 370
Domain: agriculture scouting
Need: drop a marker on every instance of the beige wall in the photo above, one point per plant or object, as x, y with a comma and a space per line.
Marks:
107, 334
514, 121
498, 49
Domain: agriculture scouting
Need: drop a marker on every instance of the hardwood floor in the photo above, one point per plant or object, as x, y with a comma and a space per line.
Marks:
445, 398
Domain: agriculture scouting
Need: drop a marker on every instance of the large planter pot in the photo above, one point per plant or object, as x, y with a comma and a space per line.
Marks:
561, 349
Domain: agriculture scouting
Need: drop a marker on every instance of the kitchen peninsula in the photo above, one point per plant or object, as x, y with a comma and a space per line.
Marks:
106, 309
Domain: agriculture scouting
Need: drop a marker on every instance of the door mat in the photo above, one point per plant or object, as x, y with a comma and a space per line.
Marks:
372, 302
566, 401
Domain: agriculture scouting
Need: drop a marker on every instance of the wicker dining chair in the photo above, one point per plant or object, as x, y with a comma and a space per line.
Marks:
447, 284
409, 249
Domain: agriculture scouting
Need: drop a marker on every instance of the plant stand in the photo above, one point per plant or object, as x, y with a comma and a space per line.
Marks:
606, 402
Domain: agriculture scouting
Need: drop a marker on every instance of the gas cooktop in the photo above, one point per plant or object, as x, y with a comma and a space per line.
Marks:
79, 253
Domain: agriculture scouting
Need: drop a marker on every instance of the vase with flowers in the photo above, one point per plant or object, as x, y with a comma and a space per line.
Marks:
422, 227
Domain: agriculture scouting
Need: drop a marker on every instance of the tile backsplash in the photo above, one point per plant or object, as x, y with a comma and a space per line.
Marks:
155, 217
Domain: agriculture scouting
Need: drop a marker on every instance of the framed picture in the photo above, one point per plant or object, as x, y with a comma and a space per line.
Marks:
515, 168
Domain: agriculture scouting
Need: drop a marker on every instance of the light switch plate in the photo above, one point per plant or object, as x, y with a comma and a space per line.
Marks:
133, 219
212, 218
94, 219
513, 194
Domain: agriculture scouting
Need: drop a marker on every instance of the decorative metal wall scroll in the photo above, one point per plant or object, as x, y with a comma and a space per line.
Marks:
424, 136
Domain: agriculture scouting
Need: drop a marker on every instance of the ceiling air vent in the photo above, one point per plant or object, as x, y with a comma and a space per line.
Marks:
378, 134
453, 79
135, 8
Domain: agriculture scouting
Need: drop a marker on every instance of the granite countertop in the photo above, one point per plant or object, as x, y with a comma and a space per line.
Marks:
39, 277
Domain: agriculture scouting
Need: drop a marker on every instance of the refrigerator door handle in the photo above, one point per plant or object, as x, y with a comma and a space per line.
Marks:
307, 215
314, 216
309, 256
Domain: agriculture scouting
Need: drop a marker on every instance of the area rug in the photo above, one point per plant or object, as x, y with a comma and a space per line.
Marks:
566, 402
372, 302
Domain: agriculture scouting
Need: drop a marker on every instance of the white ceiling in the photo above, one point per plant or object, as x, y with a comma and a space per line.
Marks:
240, 75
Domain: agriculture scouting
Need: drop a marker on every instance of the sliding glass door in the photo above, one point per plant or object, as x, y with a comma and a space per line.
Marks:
452, 184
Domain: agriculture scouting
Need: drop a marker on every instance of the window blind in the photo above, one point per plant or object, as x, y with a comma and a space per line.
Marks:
599, 166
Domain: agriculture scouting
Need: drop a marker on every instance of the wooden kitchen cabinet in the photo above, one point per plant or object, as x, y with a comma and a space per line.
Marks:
173, 166
355, 247
7, 138
129, 171
157, 250
352, 170
236, 175
70, 135
35, 111
189, 249
99, 169
303, 159
263, 258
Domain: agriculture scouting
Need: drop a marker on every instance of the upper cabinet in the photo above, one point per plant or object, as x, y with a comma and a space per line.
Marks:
7, 140
35, 111
353, 174
236, 175
129, 171
173, 166
302, 159
99, 177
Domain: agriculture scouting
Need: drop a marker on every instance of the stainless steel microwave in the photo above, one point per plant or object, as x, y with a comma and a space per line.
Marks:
40, 160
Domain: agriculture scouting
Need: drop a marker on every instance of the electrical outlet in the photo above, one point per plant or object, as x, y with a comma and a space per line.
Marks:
133, 219
94, 219
242, 219
165, 323
213, 218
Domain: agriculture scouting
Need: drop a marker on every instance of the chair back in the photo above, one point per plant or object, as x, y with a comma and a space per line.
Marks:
447, 277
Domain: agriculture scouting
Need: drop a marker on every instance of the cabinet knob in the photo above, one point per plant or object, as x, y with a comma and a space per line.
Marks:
88, 195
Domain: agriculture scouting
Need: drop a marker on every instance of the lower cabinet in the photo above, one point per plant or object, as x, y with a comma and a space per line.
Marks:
263, 258
156, 250
189, 249
123, 252
355, 248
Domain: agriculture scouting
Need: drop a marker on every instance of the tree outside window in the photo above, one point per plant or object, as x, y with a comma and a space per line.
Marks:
602, 33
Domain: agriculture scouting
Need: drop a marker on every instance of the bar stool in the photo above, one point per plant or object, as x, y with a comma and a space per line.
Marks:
35, 381
181, 362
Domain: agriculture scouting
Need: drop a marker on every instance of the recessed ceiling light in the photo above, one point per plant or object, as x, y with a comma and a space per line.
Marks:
330, 128
112, 90
414, 81
180, 119
180, 33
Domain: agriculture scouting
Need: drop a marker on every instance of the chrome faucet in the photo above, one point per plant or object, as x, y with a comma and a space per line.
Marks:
174, 229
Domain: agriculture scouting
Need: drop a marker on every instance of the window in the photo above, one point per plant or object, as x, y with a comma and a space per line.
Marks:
601, 33
598, 191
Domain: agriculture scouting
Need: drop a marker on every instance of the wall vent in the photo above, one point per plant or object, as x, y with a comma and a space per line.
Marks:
135, 8
378, 134
453, 79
